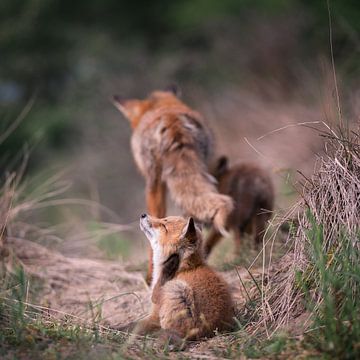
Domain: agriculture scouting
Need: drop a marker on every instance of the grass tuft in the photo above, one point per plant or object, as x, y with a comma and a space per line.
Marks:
320, 275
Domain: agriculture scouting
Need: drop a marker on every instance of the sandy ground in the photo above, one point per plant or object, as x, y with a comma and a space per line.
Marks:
106, 290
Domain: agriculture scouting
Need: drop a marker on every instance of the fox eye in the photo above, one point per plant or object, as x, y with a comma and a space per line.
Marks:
164, 227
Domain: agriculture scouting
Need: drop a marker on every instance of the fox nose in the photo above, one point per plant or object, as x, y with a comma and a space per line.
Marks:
118, 99
143, 216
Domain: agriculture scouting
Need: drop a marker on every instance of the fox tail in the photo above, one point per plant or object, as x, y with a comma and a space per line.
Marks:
194, 190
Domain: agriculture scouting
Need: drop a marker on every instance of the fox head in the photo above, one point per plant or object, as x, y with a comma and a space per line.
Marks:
174, 241
135, 109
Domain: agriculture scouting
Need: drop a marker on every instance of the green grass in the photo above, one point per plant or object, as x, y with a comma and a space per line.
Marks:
27, 332
331, 289
335, 275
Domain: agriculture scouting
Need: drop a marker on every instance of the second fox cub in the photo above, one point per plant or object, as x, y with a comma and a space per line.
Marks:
252, 190
172, 146
189, 300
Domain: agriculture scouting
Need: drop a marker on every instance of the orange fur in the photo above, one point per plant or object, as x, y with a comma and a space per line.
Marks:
190, 301
172, 146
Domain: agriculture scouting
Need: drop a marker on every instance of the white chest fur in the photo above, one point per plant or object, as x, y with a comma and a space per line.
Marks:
156, 265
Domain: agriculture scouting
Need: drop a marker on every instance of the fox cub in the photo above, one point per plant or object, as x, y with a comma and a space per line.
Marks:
252, 191
189, 300
172, 147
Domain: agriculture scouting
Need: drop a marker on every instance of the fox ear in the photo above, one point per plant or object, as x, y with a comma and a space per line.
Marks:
173, 88
222, 165
118, 102
118, 99
189, 232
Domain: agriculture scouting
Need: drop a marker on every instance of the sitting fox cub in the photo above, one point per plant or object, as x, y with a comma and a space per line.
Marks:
189, 300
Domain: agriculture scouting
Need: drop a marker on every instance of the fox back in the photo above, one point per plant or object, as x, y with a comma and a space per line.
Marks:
252, 192
162, 123
251, 188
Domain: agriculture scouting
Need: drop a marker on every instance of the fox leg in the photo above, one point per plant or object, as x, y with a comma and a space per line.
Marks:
148, 325
151, 325
172, 339
156, 199
237, 237
260, 226
156, 206
178, 313
211, 241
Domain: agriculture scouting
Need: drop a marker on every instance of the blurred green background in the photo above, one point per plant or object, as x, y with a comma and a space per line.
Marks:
250, 66
58, 50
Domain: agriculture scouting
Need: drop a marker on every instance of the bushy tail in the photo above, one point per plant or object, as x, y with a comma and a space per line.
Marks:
194, 190
221, 217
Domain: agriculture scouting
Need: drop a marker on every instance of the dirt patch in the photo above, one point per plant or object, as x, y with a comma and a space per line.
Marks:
83, 287
89, 288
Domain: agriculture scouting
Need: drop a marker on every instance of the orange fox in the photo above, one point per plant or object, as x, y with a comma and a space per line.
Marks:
252, 191
189, 300
172, 146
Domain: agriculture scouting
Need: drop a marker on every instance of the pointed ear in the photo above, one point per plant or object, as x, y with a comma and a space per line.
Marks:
189, 232
118, 99
118, 102
174, 88
222, 165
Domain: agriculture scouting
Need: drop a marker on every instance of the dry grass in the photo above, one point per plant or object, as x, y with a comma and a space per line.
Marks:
331, 200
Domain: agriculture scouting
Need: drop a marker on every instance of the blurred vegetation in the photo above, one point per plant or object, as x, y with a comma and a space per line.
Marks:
336, 320
115, 245
43, 44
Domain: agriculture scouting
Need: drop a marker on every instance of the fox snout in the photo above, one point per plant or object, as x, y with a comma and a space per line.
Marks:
145, 224
147, 228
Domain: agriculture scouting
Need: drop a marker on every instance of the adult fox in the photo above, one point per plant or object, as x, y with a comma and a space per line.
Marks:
172, 147
189, 300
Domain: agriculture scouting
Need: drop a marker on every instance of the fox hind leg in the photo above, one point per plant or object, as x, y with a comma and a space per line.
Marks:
171, 339
156, 199
238, 234
213, 238
148, 325
260, 227
156, 206
178, 311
